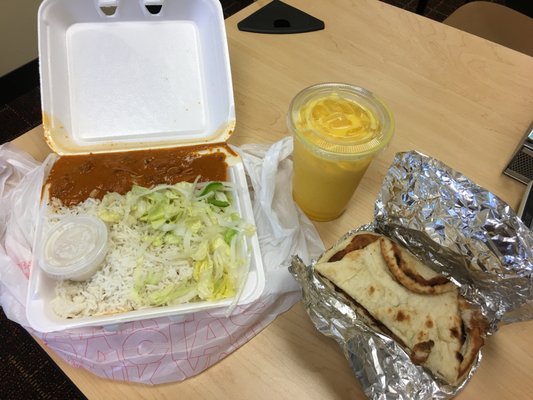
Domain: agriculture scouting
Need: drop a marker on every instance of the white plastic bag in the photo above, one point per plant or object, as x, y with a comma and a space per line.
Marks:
20, 187
283, 229
171, 348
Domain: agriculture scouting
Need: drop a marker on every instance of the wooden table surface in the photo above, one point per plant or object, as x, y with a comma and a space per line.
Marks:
455, 97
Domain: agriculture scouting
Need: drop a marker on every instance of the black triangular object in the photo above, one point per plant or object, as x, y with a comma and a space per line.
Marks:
278, 17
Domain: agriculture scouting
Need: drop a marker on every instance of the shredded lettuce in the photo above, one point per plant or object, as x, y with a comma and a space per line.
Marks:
193, 241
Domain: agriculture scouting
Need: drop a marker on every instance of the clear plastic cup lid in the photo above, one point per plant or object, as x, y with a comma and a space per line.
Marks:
342, 119
74, 247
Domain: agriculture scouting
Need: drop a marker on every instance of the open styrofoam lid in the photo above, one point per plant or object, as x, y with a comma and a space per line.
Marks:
131, 79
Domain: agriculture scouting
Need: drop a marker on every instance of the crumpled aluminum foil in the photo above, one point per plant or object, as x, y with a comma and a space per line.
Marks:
459, 229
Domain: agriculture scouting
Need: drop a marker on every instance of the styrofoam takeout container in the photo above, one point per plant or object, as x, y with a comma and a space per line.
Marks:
132, 80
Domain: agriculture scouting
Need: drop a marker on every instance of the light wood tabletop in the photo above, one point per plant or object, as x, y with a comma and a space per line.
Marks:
455, 97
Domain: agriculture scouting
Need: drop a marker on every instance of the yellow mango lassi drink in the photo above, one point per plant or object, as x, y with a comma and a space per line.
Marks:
337, 129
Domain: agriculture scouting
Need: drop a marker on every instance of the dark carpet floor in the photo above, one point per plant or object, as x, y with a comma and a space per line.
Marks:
26, 371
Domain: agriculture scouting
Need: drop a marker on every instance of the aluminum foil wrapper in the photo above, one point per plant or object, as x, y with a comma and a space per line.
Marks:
457, 228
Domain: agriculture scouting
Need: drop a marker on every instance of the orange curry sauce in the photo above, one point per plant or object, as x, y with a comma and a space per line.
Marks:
73, 179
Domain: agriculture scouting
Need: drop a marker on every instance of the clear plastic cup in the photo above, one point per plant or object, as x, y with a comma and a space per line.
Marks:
74, 248
338, 129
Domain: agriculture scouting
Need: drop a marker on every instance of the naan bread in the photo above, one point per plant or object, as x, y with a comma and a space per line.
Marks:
408, 301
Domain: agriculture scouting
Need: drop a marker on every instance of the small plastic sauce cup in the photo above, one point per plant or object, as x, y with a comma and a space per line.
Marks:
74, 248
338, 129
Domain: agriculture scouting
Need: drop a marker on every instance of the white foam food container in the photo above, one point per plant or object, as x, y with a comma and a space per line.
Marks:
115, 76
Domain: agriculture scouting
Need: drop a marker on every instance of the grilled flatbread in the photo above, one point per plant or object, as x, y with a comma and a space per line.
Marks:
417, 307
